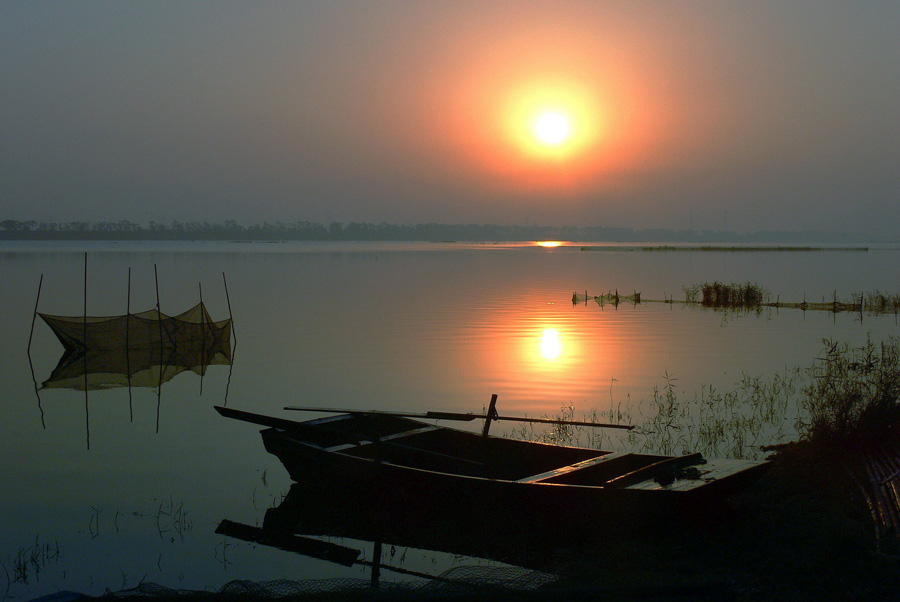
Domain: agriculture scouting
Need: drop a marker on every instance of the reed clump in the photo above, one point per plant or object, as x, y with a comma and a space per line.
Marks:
720, 295
878, 302
853, 390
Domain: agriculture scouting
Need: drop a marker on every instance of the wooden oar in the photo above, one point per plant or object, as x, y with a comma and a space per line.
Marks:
464, 417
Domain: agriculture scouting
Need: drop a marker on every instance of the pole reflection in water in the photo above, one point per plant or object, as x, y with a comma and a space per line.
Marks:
144, 349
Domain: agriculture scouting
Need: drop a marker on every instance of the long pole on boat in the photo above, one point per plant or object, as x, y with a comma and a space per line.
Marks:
460, 416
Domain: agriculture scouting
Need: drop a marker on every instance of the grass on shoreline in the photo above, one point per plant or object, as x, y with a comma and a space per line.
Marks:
841, 397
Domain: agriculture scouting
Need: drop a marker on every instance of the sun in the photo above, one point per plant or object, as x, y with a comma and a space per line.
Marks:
552, 120
552, 128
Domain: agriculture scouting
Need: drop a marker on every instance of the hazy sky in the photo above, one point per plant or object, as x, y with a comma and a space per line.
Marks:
752, 115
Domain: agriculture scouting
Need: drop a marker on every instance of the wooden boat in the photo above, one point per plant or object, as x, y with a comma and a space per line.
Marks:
400, 462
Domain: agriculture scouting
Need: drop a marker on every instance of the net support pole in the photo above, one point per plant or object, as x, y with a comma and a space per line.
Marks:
230, 316
87, 414
159, 321
34, 316
127, 347
203, 339
233, 338
30, 363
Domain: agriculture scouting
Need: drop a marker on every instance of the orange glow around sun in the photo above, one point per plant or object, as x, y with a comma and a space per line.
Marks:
528, 124
551, 120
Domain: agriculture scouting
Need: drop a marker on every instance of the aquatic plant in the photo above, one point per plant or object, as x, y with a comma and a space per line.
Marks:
852, 390
837, 398
718, 294
880, 303
29, 561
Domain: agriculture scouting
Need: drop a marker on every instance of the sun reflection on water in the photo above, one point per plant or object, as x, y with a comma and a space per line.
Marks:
550, 344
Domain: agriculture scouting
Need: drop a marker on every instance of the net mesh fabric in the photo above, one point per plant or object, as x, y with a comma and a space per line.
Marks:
458, 580
146, 328
144, 349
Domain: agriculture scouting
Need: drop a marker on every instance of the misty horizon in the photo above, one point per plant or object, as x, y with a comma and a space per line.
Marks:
364, 231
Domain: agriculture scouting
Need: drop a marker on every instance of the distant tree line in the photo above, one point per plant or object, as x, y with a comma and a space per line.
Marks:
363, 231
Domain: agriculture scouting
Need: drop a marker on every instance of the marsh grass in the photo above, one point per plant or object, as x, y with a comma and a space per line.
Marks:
735, 423
30, 561
720, 295
880, 303
853, 390
844, 393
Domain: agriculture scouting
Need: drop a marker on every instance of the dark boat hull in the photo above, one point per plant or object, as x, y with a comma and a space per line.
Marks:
539, 514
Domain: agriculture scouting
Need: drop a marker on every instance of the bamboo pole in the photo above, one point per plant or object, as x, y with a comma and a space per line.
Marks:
127, 348
233, 338
87, 414
203, 340
30, 363
230, 317
34, 316
159, 321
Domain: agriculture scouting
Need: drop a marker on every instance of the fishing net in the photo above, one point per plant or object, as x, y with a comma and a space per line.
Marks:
455, 582
147, 328
144, 349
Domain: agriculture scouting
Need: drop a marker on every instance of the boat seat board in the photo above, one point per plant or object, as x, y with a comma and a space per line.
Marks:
649, 472
578, 466
402, 448
386, 439
712, 470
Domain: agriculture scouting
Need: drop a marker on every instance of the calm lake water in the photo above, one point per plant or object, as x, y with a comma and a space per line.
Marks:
129, 486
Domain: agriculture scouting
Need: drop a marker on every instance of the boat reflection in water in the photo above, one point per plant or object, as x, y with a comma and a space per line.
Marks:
346, 510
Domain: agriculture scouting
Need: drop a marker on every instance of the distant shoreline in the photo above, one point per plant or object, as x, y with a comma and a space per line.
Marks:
231, 231
721, 248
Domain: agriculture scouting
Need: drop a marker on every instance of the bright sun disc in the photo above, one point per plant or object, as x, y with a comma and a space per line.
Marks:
551, 120
552, 128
